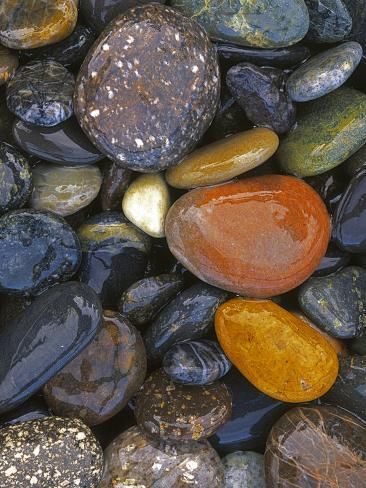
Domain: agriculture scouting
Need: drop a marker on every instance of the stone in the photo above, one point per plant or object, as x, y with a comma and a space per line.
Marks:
309, 446
325, 72
196, 362
171, 412
15, 178
50, 452
115, 183
100, 381
64, 144
149, 125
41, 93
244, 470
328, 131
135, 460
279, 353
358, 13
26, 24
356, 162
262, 236
32, 409
114, 255
260, 93
330, 186
224, 159
337, 303
36, 345
267, 24
334, 260
64, 190
146, 204
6, 122
8, 64
141, 302
37, 250
330, 21
189, 316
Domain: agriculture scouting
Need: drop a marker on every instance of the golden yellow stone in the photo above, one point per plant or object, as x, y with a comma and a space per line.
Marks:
279, 353
223, 160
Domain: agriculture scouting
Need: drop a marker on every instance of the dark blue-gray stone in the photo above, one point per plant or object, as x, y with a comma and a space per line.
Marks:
330, 21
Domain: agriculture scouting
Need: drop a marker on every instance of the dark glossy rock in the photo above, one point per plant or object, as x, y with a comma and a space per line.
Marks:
330, 186
316, 446
37, 250
357, 9
143, 300
34, 408
261, 94
334, 260
356, 162
148, 125
12, 306
114, 256
337, 303
169, 411
330, 21
189, 316
35, 346
115, 182
49, 452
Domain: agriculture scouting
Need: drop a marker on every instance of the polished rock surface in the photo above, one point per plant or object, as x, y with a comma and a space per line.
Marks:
333, 260
244, 470
115, 183
330, 21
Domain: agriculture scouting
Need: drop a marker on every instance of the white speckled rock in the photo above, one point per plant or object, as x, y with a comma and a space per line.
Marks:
244, 470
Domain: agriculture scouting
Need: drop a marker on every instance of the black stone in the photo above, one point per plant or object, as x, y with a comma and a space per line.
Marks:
115, 182
330, 186
356, 162
34, 408
330, 21
334, 260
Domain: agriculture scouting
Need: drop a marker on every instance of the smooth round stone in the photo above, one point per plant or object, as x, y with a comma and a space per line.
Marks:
330, 186
15, 178
336, 303
142, 301
37, 344
100, 381
275, 350
8, 64
263, 23
196, 362
116, 180
148, 125
134, 460
41, 93
324, 72
64, 190
64, 144
262, 236
26, 24
330, 21
37, 250
50, 452
171, 412
260, 93
316, 446
223, 160
328, 131
334, 260
244, 470
146, 204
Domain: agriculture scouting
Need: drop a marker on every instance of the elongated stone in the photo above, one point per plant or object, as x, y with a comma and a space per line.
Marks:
330, 21
115, 183
8, 64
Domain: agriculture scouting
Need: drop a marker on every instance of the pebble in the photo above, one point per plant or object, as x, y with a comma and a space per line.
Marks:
168, 117
6, 121
244, 470
116, 180
356, 162
8, 64
330, 21
262, 236
330, 186
275, 350
224, 159
334, 260
49, 452
41, 93
172, 412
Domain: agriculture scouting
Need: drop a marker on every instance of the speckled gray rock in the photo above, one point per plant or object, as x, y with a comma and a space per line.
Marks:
330, 20
244, 470
48, 453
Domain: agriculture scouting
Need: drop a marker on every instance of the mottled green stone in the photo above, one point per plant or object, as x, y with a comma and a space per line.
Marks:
328, 131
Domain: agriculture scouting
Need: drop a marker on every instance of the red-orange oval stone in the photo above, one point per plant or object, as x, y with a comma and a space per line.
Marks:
258, 237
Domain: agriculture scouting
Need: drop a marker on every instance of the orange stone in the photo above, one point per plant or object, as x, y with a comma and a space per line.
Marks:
257, 237
276, 351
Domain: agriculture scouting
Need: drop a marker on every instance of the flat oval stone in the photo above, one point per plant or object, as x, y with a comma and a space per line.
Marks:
284, 357
309, 446
244, 470
172, 412
41, 93
285, 235
325, 72
36, 345
334, 260
64, 190
330, 21
328, 131
8, 64
149, 125
196, 362
224, 159
37, 250
48, 451
135, 460
100, 381
116, 180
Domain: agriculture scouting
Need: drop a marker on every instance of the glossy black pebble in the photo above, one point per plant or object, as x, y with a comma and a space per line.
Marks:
330, 21
330, 186
333, 260
34, 408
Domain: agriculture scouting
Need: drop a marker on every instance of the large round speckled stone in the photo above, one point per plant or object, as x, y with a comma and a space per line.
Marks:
146, 108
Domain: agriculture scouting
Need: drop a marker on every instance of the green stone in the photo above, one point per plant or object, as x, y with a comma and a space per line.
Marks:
328, 131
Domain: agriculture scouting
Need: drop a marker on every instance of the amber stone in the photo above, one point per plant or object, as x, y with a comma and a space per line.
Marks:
8, 64
279, 353
322, 447
223, 160
100, 381
261, 236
